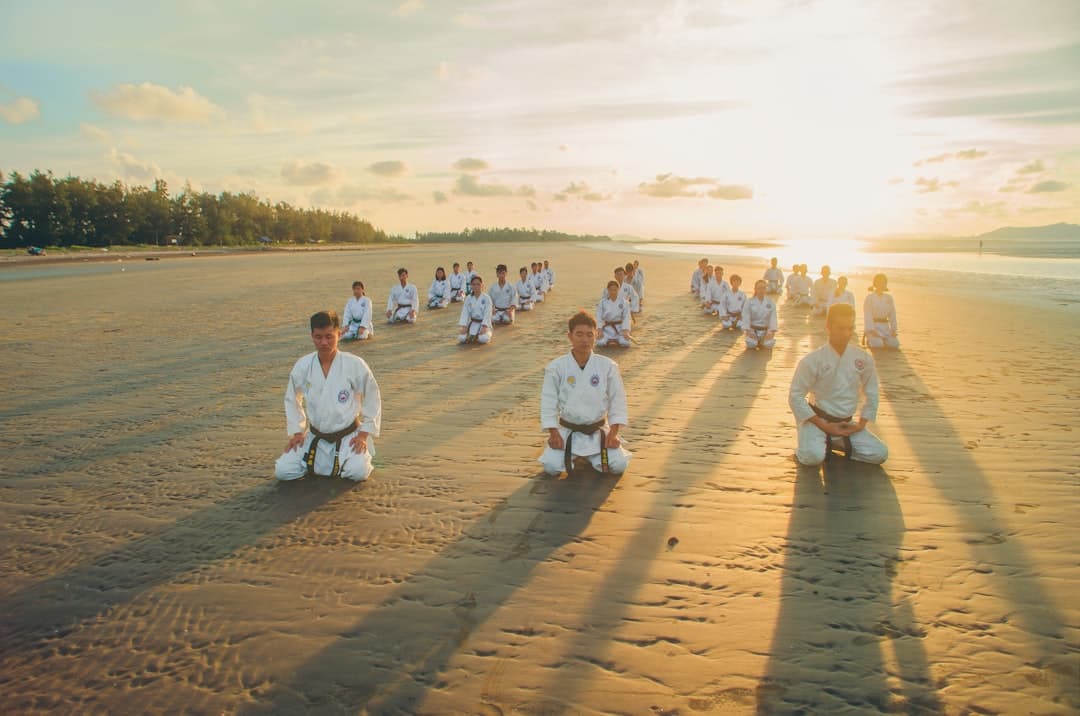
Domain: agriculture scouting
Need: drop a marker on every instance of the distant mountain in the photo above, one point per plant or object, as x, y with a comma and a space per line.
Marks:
1052, 231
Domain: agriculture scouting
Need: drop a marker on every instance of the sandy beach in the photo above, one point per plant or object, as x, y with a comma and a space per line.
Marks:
152, 564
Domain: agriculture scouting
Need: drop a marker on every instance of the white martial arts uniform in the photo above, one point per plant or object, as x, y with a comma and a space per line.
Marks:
834, 381
468, 281
540, 287
879, 321
401, 301
457, 286
583, 396
525, 292
803, 290
713, 295
502, 298
731, 310
628, 294
476, 314
613, 317
791, 286
638, 282
824, 288
330, 403
438, 295
357, 315
759, 320
549, 276
774, 279
695, 282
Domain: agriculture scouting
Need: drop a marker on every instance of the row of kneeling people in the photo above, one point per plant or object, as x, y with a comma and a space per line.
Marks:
479, 310
333, 407
717, 297
620, 302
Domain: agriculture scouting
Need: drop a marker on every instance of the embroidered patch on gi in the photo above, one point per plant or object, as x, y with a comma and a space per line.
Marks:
342, 396
595, 380
570, 379
859, 364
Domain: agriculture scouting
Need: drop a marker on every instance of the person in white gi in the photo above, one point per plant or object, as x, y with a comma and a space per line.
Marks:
332, 410
357, 315
834, 375
843, 295
583, 406
774, 277
613, 318
503, 298
524, 290
403, 303
438, 295
879, 316
731, 310
469, 273
549, 275
539, 283
791, 286
695, 278
804, 286
824, 288
457, 284
639, 280
759, 319
626, 290
714, 293
704, 290
475, 322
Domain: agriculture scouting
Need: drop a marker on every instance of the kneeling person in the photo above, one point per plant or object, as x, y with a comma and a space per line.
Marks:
475, 321
583, 406
503, 298
332, 410
834, 375
759, 319
613, 316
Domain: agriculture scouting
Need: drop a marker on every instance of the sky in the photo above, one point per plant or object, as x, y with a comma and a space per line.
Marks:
682, 120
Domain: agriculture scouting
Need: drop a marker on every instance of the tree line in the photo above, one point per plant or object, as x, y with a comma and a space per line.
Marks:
504, 234
41, 210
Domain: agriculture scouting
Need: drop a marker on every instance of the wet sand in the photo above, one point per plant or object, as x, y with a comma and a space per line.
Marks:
150, 562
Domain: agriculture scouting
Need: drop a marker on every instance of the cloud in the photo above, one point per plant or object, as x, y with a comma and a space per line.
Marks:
440, 197
468, 185
392, 168
95, 134
1035, 167
581, 191
1048, 186
301, 173
19, 110
670, 186
150, 101
471, 164
409, 7
996, 208
131, 168
967, 154
927, 186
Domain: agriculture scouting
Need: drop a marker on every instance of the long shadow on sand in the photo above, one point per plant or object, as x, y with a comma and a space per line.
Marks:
837, 611
387, 661
964, 486
51, 608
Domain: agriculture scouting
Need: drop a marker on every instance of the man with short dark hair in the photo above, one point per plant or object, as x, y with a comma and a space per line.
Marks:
583, 406
403, 302
834, 375
503, 298
332, 410
474, 326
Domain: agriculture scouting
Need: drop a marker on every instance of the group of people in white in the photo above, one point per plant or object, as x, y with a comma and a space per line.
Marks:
480, 311
756, 315
333, 407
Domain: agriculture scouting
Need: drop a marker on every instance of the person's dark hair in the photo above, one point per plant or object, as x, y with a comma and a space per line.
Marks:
840, 310
619, 268
761, 282
357, 283
440, 270
736, 276
500, 267
402, 270
613, 283
581, 318
629, 267
523, 269
456, 265
476, 277
325, 319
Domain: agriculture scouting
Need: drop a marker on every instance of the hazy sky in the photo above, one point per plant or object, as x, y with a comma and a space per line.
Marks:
681, 120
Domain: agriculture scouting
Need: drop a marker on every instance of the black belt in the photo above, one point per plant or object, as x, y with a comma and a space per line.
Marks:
507, 308
614, 324
734, 314
469, 336
881, 320
759, 328
833, 419
335, 438
568, 458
